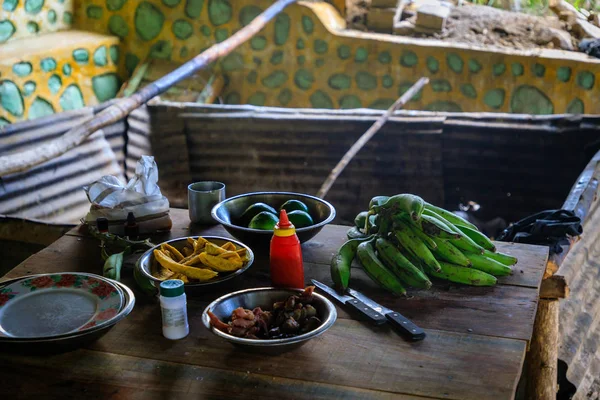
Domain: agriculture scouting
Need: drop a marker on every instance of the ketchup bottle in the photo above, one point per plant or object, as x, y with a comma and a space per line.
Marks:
287, 269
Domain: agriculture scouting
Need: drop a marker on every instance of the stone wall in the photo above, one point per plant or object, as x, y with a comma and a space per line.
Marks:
305, 58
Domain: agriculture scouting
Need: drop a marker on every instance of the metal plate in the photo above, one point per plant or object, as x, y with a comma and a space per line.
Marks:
57, 304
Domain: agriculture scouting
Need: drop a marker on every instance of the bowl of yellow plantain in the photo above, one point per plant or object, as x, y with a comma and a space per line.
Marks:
196, 260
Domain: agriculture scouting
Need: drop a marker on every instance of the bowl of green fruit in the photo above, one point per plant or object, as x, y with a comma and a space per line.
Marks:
251, 217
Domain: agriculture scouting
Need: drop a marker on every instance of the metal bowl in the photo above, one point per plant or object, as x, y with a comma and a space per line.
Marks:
264, 298
72, 341
145, 261
230, 210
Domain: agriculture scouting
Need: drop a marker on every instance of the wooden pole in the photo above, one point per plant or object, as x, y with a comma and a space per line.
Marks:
337, 170
30, 158
542, 361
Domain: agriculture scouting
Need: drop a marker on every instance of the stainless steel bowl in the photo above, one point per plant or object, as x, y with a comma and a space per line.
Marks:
230, 210
72, 341
145, 261
264, 298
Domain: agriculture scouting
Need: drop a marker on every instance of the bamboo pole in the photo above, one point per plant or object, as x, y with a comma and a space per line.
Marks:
30, 158
339, 168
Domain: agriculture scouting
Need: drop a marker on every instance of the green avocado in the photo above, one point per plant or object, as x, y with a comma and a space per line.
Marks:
300, 219
253, 210
293, 205
264, 220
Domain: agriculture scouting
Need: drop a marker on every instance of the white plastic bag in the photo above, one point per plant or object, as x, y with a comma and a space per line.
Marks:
113, 200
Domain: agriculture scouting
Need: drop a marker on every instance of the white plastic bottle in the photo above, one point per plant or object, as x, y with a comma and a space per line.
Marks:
173, 305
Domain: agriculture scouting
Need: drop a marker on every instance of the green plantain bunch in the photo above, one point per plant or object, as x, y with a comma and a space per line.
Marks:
403, 241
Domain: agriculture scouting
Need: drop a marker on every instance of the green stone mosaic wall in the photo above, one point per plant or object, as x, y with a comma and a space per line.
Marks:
38, 83
25, 18
302, 59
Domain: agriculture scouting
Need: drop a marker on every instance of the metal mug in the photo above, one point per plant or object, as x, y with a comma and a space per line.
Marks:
202, 197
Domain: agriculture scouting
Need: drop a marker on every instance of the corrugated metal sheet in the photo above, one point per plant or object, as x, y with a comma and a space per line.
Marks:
512, 165
446, 158
170, 148
251, 153
514, 168
53, 191
138, 138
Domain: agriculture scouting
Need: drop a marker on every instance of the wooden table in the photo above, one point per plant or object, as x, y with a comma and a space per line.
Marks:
475, 346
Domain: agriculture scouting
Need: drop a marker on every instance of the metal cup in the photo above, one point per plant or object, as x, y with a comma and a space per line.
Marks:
202, 197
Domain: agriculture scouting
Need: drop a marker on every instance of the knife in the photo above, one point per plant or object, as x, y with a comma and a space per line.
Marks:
358, 305
405, 326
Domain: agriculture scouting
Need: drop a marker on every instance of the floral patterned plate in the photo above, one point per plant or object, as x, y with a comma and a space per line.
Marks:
57, 304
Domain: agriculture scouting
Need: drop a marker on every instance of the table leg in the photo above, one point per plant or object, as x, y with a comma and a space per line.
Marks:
542, 358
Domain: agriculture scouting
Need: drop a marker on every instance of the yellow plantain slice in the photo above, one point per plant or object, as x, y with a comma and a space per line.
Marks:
164, 273
193, 261
186, 251
213, 249
175, 254
200, 243
191, 272
182, 277
220, 264
230, 255
228, 246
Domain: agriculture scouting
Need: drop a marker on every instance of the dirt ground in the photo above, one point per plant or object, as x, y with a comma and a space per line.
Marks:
483, 26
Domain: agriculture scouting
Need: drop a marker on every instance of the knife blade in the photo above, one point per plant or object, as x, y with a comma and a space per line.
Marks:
374, 316
405, 326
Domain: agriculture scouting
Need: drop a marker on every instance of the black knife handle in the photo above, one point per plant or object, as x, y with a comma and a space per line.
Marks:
374, 316
405, 326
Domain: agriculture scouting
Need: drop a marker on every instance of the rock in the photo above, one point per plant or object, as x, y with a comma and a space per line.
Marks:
559, 38
432, 17
584, 29
381, 19
384, 3
404, 28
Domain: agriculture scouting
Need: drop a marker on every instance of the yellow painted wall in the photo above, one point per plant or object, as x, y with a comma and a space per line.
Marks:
56, 72
27, 18
306, 59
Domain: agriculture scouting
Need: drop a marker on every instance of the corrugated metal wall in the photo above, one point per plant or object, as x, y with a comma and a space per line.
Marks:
53, 191
512, 165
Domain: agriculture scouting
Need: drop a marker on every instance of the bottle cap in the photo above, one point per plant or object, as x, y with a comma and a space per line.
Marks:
284, 227
171, 288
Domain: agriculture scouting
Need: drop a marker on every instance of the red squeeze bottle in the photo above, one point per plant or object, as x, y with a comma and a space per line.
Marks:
287, 269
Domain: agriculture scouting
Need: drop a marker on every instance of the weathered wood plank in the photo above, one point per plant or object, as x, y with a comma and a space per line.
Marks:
445, 364
98, 374
503, 311
467, 328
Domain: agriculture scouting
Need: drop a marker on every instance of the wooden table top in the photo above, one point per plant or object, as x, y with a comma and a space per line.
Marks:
474, 349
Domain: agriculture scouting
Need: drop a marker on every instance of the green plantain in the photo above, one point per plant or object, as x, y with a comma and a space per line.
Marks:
377, 271
488, 265
400, 265
467, 276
